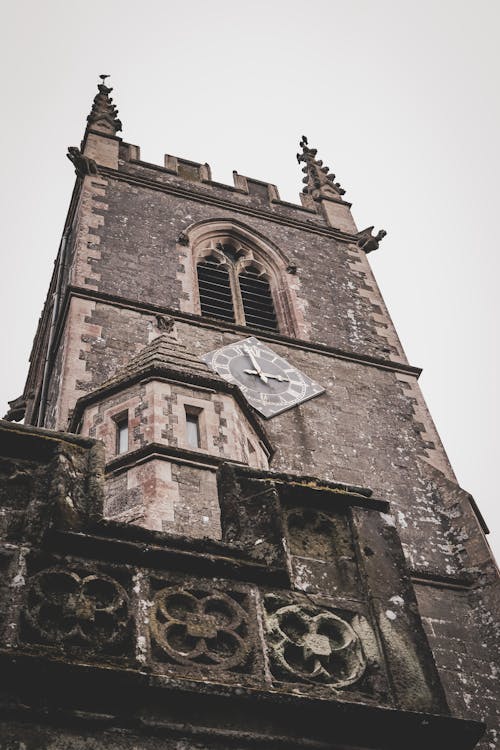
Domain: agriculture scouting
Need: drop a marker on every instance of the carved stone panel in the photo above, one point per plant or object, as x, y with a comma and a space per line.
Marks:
197, 628
313, 643
18, 478
323, 558
76, 607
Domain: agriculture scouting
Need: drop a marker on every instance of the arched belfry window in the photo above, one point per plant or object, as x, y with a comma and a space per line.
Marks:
238, 276
216, 299
233, 288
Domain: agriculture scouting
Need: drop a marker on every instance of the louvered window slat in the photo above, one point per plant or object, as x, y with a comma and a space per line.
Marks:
211, 288
257, 301
215, 290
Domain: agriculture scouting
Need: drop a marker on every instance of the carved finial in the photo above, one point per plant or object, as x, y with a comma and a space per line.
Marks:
319, 181
367, 241
104, 114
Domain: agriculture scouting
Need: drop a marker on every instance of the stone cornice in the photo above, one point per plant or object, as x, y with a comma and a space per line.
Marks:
198, 320
166, 452
207, 198
356, 724
338, 493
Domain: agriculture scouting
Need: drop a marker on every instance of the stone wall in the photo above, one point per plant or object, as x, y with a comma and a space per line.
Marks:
138, 237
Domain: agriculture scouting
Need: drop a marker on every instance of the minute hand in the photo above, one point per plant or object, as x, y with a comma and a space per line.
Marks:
261, 375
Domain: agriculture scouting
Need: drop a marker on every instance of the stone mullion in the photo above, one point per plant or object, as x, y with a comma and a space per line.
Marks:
239, 312
140, 604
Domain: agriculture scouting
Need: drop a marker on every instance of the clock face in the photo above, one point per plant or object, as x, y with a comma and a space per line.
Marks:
268, 382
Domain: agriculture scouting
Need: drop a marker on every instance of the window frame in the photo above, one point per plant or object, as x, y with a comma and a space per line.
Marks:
193, 420
121, 420
199, 413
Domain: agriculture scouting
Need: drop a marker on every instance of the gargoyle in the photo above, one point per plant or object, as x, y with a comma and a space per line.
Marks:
368, 241
17, 409
83, 164
165, 323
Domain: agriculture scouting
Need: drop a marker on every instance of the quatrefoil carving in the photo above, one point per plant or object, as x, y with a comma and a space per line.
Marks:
310, 644
78, 607
200, 628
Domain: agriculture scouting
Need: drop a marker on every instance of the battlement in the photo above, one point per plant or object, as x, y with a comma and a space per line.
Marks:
321, 197
195, 177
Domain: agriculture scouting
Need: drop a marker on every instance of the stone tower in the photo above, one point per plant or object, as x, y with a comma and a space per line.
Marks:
228, 520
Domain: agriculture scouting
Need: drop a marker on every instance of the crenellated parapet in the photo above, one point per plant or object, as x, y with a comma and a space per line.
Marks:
322, 202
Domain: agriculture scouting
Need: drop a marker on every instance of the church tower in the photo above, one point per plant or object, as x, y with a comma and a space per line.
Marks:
228, 519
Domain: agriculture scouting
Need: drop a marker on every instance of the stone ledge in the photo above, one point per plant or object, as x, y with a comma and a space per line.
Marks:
139, 706
198, 320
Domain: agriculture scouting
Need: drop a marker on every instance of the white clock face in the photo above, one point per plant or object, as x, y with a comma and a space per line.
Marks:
268, 382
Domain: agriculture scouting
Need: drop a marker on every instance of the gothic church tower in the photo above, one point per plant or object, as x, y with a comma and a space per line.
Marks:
234, 521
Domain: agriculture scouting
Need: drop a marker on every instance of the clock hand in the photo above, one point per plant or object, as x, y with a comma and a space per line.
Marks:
252, 358
268, 375
276, 377
259, 372
263, 376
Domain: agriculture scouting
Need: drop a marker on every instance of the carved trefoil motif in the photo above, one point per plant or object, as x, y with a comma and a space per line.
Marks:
308, 643
201, 629
77, 607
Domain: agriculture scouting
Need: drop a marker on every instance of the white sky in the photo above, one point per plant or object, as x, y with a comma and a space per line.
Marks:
401, 99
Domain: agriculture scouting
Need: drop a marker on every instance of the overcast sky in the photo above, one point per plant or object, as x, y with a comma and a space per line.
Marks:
400, 98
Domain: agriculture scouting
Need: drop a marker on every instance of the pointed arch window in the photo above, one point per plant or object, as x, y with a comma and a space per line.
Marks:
232, 288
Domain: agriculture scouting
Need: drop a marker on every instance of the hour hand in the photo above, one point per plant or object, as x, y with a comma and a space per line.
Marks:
261, 375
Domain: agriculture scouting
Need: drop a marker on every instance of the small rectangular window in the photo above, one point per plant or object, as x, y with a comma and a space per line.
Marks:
122, 433
192, 429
